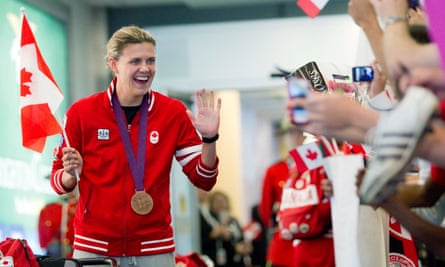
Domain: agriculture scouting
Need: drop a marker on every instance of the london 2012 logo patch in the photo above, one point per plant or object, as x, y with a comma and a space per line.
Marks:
399, 260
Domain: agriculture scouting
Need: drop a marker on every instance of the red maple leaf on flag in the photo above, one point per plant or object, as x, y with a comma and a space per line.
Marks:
39, 97
25, 78
307, 156
312, 155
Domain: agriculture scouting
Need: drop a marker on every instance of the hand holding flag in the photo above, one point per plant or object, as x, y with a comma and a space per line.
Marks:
40, 95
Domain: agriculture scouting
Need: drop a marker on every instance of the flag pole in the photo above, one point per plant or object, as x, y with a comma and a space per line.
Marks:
67, 142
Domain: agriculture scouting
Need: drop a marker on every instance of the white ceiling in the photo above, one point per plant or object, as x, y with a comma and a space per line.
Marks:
267, 102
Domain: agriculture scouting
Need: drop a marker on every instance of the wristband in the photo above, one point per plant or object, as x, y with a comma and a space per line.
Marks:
209, 140
393, 19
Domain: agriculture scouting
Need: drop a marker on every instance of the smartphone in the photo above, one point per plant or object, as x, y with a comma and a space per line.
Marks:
298, 88
362, 74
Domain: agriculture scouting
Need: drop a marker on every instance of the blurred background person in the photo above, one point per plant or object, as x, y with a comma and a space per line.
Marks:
55, 226
280, 252
222, 237
255, 234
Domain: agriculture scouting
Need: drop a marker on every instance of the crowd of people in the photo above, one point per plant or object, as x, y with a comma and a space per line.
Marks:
412, 128
148, 129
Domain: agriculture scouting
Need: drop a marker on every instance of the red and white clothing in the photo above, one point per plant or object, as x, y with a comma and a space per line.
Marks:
279, 251
55, 227
317, 251
104, 221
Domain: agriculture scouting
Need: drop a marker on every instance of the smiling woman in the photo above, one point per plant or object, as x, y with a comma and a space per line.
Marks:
131, 56
146, 129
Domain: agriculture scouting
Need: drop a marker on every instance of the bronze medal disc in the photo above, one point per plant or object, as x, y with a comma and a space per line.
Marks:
141, 203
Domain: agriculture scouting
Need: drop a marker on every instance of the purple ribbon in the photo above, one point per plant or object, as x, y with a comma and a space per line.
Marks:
137, 165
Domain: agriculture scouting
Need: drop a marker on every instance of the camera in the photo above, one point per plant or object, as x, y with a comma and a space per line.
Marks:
362, 74
298, 88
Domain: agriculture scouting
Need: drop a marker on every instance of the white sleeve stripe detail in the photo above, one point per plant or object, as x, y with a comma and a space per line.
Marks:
188, 150
189, 158
157, 248
157, 241
205, 175
208, 171
91, 239
91, 247
58, 181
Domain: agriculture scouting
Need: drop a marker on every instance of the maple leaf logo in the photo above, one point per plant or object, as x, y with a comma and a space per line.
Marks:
25, 78
312, 155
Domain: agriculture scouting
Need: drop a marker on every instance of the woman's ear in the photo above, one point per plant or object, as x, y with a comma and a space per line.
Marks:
112, 64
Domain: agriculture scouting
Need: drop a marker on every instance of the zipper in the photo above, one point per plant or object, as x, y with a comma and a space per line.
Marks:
25, 248
87, 203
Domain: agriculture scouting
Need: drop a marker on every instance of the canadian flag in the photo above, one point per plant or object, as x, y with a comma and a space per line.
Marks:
40, 95
308, 156
312, 7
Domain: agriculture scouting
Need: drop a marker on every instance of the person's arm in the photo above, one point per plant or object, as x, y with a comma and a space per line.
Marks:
199, 159
401, 51
431, 235
335, 115
432, 78
206, 123
363, 14
208, 155
66, 168
415, 195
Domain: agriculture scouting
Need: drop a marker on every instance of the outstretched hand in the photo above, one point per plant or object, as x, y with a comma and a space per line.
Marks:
206, 121
362, 12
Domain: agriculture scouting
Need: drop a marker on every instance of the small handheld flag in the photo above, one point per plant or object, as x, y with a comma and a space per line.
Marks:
40, 95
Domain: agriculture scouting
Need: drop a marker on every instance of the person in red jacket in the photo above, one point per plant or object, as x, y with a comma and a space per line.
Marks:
118, 148
317, 250
55, 226
279, 252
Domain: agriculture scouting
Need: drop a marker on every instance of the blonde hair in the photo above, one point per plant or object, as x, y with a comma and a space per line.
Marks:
214, 194
124, 36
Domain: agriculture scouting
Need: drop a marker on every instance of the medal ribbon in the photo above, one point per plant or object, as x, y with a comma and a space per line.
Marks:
137, 165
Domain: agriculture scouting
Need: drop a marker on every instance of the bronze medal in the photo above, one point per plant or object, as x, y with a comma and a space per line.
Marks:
141, 203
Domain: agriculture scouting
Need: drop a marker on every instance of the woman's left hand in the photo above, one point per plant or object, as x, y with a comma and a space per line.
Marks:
206, 121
